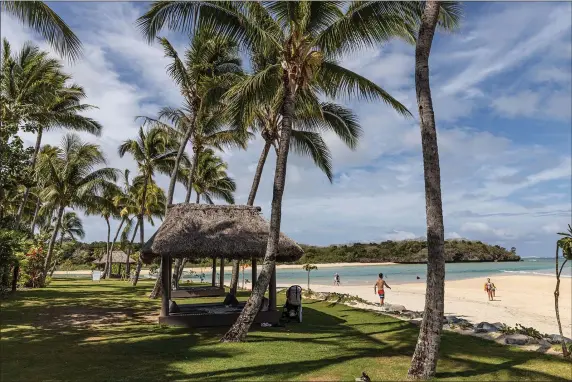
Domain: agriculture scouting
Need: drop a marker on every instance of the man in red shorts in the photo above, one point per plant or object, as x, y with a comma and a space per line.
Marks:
378, 288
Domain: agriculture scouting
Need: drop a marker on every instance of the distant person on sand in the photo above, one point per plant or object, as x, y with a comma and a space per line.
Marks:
378, 288
337, 279
489, 289
494, 289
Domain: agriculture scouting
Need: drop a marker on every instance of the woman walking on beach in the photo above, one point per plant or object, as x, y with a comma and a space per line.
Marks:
489, 289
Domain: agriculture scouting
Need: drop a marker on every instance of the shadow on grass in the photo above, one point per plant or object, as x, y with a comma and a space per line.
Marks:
101, 331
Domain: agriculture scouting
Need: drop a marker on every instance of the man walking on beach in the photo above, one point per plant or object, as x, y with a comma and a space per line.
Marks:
378, 288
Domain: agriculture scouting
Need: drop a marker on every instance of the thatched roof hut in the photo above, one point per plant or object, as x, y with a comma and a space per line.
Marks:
229, 231
116, 257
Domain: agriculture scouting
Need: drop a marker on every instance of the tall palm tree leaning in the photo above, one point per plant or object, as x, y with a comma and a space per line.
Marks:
70, 180
307, 37
210, 67
312, 118
70, 228
154, 151
426, 355
41, 18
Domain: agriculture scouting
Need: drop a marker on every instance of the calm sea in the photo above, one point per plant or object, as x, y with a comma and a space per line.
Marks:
406, 273
400, 273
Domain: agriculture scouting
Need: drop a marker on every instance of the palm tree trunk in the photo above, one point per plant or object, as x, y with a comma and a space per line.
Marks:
250, 202
173, 181
107, 270
258, 173
240, 328
556, 298
48, 259
141, 229
139, 263
424, 361
129, 248
33, 167
35, 217
115, 238
192, 175
198, 199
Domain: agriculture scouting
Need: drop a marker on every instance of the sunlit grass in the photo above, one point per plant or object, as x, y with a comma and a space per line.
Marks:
81, 330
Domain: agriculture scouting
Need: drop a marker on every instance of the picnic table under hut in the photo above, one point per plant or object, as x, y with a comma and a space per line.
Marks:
228, 232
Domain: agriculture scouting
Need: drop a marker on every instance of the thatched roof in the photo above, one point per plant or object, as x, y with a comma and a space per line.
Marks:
230, 231
116, 257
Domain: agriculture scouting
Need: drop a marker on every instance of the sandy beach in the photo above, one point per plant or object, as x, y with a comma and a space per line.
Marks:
523, 299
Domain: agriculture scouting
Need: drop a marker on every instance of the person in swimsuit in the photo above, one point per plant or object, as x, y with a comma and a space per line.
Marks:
378, 288
494, 289
489, 289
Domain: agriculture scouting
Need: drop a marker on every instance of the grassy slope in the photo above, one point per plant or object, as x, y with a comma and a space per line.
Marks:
335, 342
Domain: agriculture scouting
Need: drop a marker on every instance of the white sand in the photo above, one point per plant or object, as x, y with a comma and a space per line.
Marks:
523, 299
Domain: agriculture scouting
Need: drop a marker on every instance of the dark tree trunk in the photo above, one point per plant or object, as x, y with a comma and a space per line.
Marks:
33, 167
35, 217
178, 158
258, 173
234, 277
250, 202
129, 250
424, 362
107, 270
198, 199
141, 230
192, 174
16, 274
48, 259
116, 236
240, 328
556, 298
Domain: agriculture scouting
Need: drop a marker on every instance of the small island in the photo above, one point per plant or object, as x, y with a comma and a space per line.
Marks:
407, 252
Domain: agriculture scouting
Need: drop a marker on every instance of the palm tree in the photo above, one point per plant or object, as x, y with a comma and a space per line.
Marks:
71, 228
307, 38
564, 243
36, 97
211, 179
71, 180
211, 182
309, 268
424, 361
40, 17
107, 210
154, 151
208, 58
312, 118
155, 205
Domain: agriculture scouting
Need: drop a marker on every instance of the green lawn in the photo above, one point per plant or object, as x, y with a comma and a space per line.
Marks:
80, 330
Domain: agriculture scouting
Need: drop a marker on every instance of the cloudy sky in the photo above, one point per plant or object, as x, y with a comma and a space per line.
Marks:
502, 90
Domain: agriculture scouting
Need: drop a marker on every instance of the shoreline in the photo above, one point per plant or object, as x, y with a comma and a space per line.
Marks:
228, 268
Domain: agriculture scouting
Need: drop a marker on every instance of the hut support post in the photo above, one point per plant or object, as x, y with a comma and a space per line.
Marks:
221, 275
214, 272
272, 291
170, 276
165, 263
254, 273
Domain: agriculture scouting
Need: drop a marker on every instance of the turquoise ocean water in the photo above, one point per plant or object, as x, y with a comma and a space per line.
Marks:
400, 273
407, 273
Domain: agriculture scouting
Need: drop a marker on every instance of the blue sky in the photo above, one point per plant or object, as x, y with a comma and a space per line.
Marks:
502, 89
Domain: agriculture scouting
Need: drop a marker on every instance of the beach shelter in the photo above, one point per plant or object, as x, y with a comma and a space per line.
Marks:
198, 231
117, 257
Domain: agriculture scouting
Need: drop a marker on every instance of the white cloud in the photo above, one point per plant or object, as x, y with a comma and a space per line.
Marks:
490, 179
